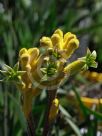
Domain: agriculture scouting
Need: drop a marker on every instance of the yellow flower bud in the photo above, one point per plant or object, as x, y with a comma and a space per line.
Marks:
24, 59
22, 51
34, 53
72, 46
90, 101
67, 37
46, 41
74, 67
59, 32
54, 109
56, 41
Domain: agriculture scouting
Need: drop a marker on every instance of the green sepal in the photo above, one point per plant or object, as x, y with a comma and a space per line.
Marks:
11, 74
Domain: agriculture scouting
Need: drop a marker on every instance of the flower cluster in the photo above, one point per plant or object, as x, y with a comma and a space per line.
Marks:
46, 67
64, 45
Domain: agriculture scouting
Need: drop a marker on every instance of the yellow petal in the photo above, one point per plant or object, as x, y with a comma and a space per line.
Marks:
56, 41
24, 60
68, 36
90, 101
59, 32
34, 53
23, 51
72, 46
46, 41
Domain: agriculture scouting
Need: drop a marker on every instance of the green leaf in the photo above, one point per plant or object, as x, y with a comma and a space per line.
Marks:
86, 111
80, 102
7, 68
69, 120
16, 66
20, 133
94, 64
44, 78
18, 111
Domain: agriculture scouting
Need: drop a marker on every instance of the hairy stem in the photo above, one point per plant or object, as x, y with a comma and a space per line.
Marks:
51, 96
27, 109
31, 125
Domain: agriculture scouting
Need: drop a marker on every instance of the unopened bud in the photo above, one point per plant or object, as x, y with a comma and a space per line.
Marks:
54, 109
74, 67
46, 41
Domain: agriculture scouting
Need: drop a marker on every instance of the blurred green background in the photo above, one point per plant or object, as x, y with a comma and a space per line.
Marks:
23, 23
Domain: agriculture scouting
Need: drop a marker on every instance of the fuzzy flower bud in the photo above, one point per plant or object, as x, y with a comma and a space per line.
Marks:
74, 67
54, 109
59, 32
56, 40
72, 46
46, 42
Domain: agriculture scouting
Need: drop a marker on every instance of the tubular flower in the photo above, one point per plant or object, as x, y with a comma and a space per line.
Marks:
90, 101
82, 63
28, 60
74, 67
54, 109
93, 76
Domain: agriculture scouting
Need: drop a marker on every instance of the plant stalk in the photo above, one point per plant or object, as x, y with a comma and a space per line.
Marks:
31, 125
47, 125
